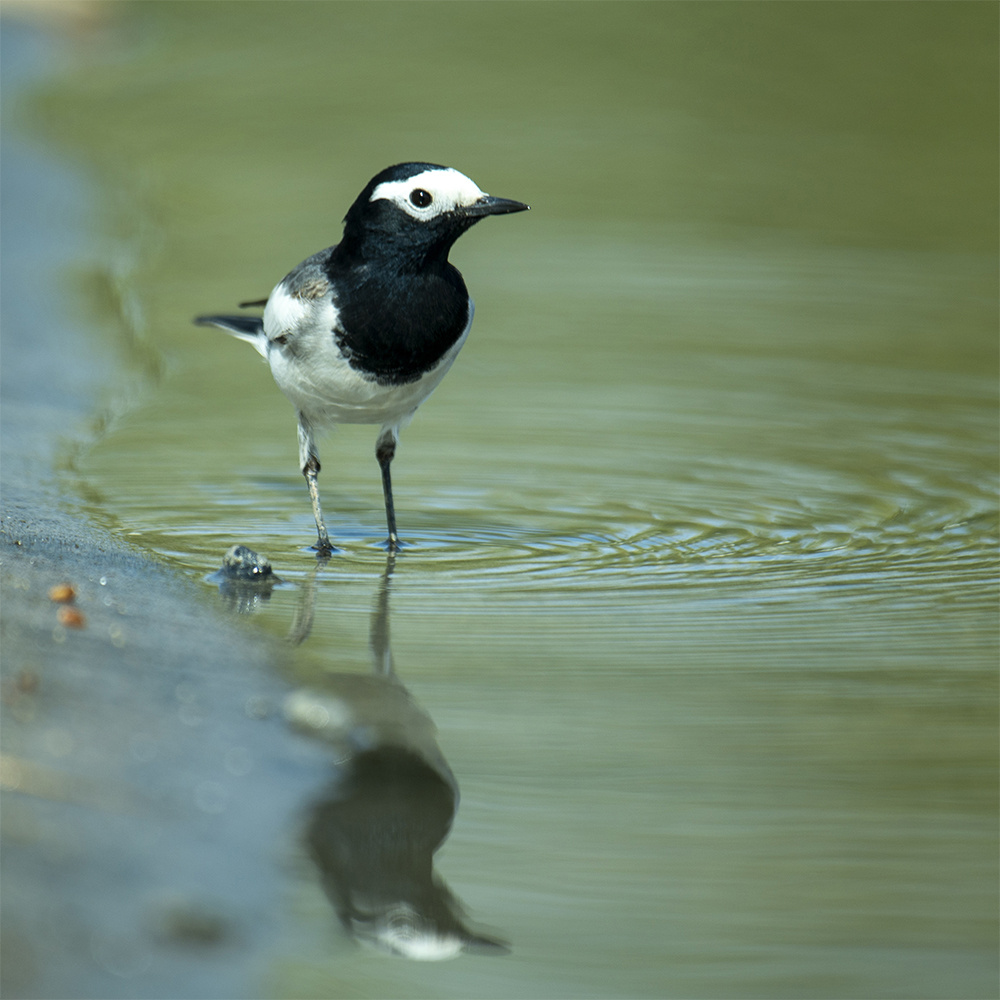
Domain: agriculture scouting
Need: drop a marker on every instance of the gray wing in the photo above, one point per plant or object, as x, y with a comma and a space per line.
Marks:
309, 280
306, 282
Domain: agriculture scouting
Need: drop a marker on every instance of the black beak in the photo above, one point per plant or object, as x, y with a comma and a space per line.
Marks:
488, 205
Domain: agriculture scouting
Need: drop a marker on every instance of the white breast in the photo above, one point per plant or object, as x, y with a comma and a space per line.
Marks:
316, 377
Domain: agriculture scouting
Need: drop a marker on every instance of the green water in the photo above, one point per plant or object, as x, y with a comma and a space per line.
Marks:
701, 583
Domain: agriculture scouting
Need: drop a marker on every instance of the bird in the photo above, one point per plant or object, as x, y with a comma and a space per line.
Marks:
363, 332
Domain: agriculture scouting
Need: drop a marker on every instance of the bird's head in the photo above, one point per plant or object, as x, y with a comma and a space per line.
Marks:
419, 208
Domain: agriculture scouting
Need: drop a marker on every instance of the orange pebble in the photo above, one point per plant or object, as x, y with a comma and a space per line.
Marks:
62, 593
27, 682
71, 617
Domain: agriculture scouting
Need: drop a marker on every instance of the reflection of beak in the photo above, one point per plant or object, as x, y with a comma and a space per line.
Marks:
488, 205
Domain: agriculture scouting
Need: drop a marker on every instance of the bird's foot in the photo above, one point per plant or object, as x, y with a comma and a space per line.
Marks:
323, 548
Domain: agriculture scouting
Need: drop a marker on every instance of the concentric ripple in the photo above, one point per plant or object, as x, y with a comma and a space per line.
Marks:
547, 559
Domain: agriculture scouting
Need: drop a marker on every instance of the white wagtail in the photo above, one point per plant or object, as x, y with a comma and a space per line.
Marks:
362, 332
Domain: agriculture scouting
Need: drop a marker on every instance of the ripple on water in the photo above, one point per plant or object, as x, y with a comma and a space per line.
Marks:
918, 548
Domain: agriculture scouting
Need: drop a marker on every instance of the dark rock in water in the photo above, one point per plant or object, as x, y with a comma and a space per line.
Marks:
243, 564
245, 578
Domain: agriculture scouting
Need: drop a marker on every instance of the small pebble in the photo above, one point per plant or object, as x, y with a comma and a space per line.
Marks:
71, 617
27, 682
62, 593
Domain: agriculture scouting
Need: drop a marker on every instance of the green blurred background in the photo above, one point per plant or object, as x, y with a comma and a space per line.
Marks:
702, 579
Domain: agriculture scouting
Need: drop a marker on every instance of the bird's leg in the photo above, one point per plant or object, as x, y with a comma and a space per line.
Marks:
322, 546
385, 448
309, 459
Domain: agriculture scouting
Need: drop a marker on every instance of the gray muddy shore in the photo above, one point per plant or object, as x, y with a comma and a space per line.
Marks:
149, 785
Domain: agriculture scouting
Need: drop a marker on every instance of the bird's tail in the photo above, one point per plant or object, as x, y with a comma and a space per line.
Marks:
248, 328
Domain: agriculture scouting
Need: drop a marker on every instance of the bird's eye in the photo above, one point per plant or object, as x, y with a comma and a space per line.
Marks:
420, 197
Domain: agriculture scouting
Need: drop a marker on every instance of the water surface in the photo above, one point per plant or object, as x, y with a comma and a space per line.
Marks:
700, 582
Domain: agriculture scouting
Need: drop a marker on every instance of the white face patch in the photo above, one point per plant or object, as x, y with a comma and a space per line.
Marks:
447, 190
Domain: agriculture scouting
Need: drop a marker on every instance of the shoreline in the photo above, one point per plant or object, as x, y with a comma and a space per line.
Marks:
147, 776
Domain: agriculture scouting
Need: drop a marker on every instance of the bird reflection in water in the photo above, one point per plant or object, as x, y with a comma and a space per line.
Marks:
374, 830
